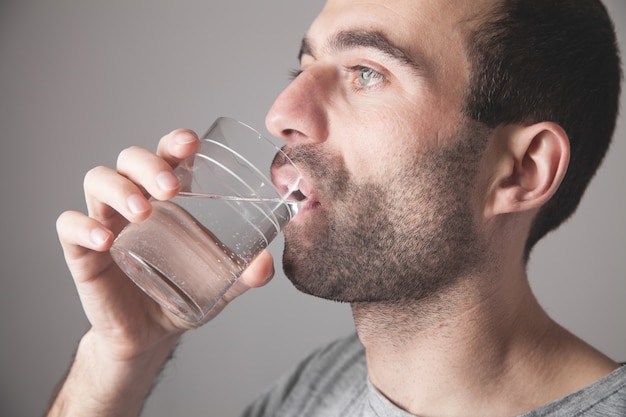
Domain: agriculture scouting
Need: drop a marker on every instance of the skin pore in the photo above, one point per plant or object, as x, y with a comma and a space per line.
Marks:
420, 215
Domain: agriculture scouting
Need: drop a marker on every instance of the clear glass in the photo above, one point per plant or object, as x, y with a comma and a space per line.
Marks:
192, 248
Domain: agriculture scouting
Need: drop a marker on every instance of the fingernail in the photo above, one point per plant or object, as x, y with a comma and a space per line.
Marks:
167, 181
183, 138
98, 236
137, 204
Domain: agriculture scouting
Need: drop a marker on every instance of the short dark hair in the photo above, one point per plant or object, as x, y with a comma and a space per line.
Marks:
549, 60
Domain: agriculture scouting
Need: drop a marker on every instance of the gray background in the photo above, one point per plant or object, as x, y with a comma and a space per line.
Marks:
80, 80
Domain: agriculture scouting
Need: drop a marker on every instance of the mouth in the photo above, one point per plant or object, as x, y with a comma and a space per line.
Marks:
290, 182
298, 196
304, 195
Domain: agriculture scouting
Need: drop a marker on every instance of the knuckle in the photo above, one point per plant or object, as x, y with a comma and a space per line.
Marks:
92, 174
61, 220
129, 152
64, 222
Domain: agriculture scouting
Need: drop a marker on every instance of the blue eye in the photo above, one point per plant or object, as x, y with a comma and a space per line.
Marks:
368, 77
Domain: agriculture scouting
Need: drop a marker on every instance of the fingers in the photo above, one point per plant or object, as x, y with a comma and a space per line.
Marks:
113, 195
116, 196
79, 233
146, 169
109, 195
258, 273
177, 145
84, 240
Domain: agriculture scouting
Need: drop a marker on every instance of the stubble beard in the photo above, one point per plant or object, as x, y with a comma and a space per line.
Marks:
400, 240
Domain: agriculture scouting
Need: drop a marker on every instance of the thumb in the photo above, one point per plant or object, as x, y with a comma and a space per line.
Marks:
258, 273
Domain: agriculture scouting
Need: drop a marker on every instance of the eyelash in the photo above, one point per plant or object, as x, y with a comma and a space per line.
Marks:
294, 73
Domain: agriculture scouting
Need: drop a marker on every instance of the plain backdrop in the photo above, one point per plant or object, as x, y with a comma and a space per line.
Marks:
81, 80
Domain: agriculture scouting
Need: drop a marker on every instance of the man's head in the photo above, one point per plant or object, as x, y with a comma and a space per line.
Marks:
386, 119
557, 61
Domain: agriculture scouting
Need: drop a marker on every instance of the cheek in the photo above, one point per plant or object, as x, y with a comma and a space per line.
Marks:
376, 149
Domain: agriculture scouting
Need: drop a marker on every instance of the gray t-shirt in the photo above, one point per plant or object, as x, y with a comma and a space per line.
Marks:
333, 382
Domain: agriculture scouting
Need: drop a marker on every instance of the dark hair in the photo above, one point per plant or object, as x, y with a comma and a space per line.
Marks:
549, 60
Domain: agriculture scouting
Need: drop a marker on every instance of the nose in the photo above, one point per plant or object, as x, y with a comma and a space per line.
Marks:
299, 113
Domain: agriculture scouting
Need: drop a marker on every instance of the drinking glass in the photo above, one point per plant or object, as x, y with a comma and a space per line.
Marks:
192, 248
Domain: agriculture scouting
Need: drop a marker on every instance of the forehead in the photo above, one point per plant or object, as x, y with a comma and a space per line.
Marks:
433, 28
430, 33
405, 14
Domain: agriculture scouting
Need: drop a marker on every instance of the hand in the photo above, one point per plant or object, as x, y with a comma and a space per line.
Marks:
124, 320
131, 335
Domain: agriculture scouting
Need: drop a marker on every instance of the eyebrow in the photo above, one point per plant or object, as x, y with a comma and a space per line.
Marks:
344, 40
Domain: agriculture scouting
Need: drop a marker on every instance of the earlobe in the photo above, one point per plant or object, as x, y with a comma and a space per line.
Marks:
532, 163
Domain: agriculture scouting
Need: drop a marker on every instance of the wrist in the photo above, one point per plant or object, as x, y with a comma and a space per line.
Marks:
105, 382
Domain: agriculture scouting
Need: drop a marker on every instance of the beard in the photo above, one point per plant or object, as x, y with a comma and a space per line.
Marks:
404, 238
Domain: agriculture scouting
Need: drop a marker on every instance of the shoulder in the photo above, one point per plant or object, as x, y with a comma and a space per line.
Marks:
604, 398
342, 353
607, 397
329, 375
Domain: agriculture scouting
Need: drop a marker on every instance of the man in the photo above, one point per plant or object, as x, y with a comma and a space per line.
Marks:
439, 140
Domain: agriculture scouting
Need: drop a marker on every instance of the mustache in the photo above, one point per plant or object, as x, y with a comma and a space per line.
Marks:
325, 169
308, 158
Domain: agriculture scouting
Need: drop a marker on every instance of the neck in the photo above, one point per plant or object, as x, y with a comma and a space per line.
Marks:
472, 350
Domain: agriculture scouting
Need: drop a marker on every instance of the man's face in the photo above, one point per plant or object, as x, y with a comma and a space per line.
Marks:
374, 121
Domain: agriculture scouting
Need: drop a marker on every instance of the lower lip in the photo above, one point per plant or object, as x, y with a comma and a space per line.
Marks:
307, 206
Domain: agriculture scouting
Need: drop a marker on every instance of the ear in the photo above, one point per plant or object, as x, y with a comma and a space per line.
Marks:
531, 162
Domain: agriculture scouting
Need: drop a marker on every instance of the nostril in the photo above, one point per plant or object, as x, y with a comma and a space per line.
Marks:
293, 135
